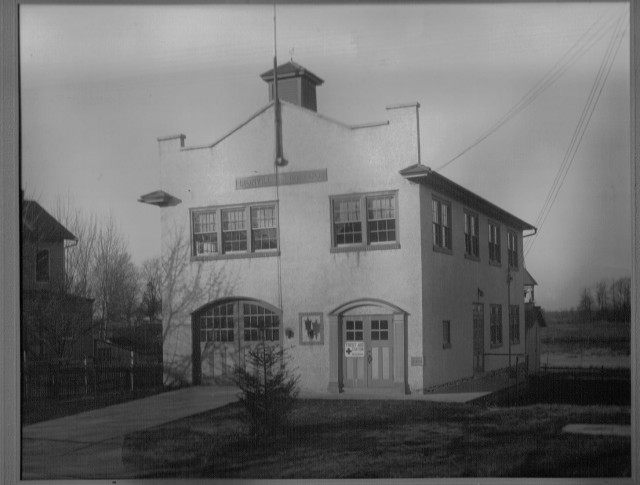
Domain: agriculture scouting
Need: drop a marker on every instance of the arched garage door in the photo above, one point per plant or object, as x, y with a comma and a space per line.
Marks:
224, 330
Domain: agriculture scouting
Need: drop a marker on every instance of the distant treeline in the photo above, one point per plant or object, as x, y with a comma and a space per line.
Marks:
608, 300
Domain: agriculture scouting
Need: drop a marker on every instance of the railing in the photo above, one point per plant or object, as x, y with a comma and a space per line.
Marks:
45, 380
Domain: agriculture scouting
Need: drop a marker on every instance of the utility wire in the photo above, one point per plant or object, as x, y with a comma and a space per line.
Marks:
588, 110
577, 50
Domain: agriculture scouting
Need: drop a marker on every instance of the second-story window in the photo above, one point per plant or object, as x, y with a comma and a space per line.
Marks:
494, 243
441, 224
512, 249
471, 243
364, 221
234, 231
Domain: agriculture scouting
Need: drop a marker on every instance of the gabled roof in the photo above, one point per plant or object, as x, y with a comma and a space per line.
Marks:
528, 279
424, 175
39, 225
289, 70
159, 198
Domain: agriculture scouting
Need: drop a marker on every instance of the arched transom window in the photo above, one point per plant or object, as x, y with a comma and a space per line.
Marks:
246, 320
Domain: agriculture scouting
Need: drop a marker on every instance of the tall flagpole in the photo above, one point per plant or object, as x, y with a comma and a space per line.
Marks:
279, 154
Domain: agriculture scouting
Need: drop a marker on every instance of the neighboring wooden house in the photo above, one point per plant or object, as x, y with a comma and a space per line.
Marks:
144, 340
334, 242
55, 325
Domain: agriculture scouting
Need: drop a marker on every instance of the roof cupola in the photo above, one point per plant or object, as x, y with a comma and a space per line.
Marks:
296, 85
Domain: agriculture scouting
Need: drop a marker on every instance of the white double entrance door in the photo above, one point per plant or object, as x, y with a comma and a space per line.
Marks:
367, 354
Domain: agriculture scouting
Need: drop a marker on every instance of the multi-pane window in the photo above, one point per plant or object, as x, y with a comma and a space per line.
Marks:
42, 266
512, 249
252, 321
205, 240
494, 243
217, 324
514, 324
364, 220
354, 330
379, 330
260, 323
471, 241
347, 221
381, 219
264, 232
495, 316
446, 334
234, 230
441, 224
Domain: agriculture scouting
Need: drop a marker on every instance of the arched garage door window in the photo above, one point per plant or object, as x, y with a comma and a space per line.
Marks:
246, 320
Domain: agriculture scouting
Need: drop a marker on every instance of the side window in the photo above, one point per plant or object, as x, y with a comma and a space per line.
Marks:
494, 243
471, 241
441, 224
512, 249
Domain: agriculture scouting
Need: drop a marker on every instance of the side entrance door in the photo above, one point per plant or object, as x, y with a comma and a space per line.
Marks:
478, 338
368, 351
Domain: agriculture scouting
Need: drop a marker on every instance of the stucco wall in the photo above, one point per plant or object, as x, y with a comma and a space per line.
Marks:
313, 278
450, 283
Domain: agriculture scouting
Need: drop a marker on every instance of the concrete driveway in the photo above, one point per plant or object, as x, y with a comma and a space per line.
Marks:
89, 445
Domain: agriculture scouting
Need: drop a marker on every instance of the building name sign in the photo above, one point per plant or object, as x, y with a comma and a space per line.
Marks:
286, 178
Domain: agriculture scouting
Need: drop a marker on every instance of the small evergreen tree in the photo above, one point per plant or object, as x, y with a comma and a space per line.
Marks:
268, 390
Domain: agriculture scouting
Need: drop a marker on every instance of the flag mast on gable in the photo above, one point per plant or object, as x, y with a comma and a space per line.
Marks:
280, 160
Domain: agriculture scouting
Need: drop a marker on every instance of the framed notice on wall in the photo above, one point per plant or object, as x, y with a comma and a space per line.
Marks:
311, 328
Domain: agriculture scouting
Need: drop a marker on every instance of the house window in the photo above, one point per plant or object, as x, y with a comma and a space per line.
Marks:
441, 224
347, 222
446, 334
381, 219
235, 231
364, 221
494, 243
495, 315
512, 249
471, 242
205, 240
514, 324
264, 232
240, 319
42, 266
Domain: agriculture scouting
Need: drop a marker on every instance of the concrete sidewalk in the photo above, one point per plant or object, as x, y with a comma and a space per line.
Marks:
89, 445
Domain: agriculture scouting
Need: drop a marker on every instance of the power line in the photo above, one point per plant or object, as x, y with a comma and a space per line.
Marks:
578, 135
577, 50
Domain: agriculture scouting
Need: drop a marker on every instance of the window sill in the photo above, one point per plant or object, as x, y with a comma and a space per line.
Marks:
515, 342
470, 257
442, 250
216, 257
497, 264
446, 346
495, 346
364, 247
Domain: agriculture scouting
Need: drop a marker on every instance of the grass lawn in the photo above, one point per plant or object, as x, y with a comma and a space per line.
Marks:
388, 439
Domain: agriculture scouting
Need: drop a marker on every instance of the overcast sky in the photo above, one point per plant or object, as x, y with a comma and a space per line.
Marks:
101, 83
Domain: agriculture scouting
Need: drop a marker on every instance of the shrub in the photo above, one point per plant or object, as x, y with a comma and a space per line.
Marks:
268, 390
